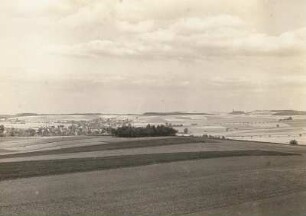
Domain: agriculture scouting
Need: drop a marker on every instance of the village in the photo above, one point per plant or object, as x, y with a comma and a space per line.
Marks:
94, 127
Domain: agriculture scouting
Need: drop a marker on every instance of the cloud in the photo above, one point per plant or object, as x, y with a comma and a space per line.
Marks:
286, 44
145, 28
99, 48
190, 37
205, 24
138, 27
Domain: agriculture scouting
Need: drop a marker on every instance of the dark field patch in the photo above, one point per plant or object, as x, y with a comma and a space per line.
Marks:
12, 170
115, 146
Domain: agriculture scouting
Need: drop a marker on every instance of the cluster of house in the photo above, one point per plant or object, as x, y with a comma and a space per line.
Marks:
100, 126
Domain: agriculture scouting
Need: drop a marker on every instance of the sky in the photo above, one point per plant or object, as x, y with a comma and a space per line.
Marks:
134, 56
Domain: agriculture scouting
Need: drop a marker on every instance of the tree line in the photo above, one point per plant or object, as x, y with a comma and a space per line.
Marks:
148, 131
122, 131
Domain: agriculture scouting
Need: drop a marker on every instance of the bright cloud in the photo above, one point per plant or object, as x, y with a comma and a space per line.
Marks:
194, 37
176, 29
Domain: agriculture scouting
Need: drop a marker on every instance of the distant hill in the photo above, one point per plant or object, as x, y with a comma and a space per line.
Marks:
288, 112
260, 112
172, 113
26, 114
47, 114
237, 112
5, 116
82, 114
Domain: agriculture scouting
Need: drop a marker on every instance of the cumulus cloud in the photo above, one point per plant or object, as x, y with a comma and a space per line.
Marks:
98, 48
138, 27
173, 29
200, 24
191, 37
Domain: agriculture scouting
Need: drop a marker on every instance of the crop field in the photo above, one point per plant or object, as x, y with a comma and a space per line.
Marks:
254, 126
30, 144
150, 176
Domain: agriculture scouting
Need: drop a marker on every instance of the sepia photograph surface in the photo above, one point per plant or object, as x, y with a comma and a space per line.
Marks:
152, 107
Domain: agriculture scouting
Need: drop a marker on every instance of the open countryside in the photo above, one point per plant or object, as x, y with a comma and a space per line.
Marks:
153, 108
71, 165
104, 175
276, 126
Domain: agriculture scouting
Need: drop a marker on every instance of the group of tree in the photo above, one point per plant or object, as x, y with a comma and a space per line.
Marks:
18, 132
59, 130
293, 142
2, 130
148, 131
122, 131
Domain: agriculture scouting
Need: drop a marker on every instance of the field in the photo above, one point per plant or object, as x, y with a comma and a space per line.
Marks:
254, 126
150, 176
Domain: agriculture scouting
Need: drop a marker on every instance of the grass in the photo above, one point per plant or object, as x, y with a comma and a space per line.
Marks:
12, 170
115, 146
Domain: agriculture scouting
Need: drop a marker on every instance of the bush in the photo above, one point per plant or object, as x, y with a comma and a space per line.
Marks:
293, 142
